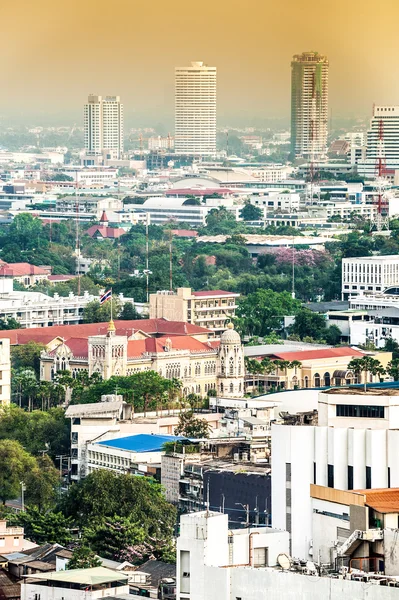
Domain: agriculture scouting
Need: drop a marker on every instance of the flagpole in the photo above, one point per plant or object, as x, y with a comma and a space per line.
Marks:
111, 305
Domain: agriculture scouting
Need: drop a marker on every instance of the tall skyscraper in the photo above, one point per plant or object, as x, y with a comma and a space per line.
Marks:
382, 142
309, 105
103, 128
195, 110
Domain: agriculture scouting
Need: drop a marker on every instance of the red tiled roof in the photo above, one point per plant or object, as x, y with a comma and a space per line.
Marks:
137, 347
184, 233
315, 354
383, 500
104, 218
160, 327
105, 232
205, 293
78, 347
21, 269
61, 277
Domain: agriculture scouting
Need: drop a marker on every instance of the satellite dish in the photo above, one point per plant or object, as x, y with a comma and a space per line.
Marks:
284, 561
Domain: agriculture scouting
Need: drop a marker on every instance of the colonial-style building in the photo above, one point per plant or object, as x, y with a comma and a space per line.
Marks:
200, 363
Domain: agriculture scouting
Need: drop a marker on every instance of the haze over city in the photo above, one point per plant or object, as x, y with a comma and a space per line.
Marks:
55, 53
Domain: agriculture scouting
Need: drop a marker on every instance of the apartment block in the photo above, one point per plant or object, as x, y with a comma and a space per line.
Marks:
363, 274
212, 309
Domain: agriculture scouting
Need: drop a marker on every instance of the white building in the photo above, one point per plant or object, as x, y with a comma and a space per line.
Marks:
355, 138
286, 202
160, 143
369, 274
5, 374
195, 110
272, 173
77, 584
385, 121
162, 210
214, 563
378, 318
309, 105
355, 446
112, 418
103, 128
35, 309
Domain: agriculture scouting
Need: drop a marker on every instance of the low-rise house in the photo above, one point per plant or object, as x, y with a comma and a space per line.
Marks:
77, 584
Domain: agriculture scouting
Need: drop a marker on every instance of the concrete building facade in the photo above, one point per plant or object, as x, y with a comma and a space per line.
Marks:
211, 309
103, 128
369, 274
195, 110
309, 105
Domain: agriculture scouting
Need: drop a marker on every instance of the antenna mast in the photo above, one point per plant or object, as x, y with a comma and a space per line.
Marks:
77, 243
381, 219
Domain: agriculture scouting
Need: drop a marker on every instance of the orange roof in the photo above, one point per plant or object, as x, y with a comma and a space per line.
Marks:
21, 269
315, 354
105, 232
383, 500
153, 327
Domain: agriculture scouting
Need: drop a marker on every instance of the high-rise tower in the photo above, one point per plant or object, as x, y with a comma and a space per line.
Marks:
103, 128
309, 105
195, 110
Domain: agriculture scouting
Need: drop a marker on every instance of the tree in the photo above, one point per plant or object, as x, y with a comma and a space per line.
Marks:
250, 212
191, 426
36, 431
393, 369
129, 312
17, 465
25, 231
94, 312
103, 494
333, 335
263, 311
309, 323
42, 483
10, 323
83, 557
61, 177
366, 365
44, 527
27, 356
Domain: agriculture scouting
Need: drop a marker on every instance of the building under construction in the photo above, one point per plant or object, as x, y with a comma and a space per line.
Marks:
309, 106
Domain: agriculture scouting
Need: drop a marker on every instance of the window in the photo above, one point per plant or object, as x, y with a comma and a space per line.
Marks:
16, 541
330, 476
389, 477
317, 380
260, 557
357, 410
2, 541
368, 478
350, 477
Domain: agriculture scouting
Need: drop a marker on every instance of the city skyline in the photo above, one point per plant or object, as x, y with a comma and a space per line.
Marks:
136, 57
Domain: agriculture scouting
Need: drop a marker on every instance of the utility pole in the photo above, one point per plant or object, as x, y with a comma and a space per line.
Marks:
293, 267
170, 262
23, 490
77, 233
147, 272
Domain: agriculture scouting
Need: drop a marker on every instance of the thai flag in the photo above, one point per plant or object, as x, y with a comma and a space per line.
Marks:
106, 296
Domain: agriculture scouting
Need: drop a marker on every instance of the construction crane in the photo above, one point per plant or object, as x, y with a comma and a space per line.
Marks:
380, 220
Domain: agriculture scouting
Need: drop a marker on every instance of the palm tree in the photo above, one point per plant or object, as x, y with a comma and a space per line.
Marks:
295, 364
283, 365
366, 365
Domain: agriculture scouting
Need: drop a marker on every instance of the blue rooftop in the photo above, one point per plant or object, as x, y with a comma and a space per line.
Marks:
141, 442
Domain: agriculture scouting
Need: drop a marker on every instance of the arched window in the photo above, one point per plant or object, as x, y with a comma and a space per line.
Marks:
317, 380
222, 365
306, 381
221, 388
231, 388
231, 366
327, 379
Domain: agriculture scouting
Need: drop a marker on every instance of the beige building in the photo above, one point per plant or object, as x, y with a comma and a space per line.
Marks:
195, 110
212, 309
324, 367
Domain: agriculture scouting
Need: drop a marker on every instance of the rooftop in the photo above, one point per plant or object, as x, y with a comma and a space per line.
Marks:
383, 500
93, 576
359, 391
140, 442
318, 354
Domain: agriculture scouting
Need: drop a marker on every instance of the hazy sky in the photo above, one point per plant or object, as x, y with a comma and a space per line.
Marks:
55, 52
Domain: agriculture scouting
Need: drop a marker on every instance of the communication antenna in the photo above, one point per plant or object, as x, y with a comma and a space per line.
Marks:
170, 262
77, 242
381, 219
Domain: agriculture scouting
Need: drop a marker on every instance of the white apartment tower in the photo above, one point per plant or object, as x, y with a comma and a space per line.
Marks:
309, 105
384, 124
195, 110
103, 127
